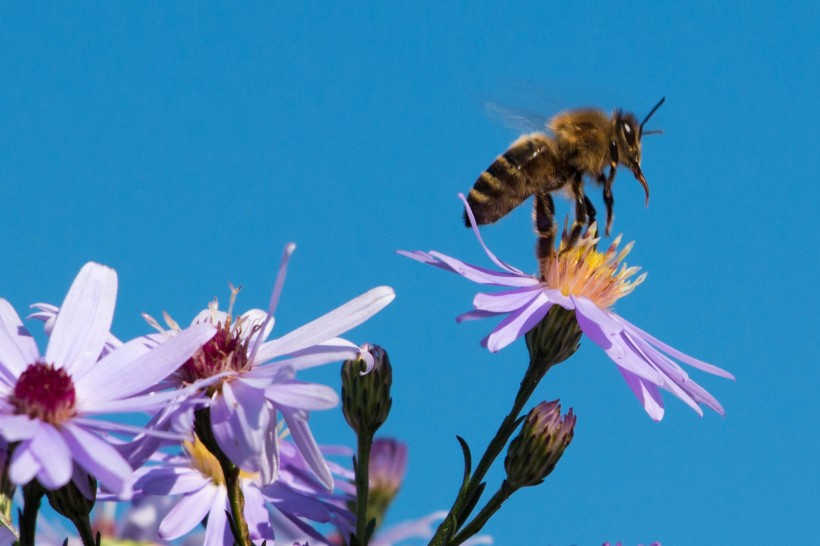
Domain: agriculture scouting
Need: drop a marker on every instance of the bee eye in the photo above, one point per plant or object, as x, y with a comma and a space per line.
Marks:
629, 134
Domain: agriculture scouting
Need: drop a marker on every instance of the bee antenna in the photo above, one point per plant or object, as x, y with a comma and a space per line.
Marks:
652, 132
649, 115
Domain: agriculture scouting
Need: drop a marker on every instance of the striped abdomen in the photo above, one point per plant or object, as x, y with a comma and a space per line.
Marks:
526, 166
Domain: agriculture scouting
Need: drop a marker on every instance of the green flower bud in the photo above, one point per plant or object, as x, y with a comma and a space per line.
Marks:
554, 339
366, 398
533, 454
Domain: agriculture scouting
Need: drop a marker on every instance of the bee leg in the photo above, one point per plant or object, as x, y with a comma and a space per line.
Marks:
590, 210
543, 216
580, 210
609, 200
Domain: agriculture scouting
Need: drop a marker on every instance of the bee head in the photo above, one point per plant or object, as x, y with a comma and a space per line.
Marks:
628, 139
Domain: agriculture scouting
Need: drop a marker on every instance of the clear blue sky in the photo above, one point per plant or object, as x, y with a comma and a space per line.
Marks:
185, 144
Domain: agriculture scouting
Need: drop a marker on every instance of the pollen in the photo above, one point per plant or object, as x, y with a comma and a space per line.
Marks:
204, 461
226, 351
44, 392
582, 270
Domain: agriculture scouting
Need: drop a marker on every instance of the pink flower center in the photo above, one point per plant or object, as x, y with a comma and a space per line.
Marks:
225, 352
44, 392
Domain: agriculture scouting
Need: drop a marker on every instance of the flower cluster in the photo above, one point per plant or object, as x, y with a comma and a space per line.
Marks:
220, 390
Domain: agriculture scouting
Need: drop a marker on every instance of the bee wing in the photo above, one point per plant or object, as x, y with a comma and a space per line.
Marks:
522, 121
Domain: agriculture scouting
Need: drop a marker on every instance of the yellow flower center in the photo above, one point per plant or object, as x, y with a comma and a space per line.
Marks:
582, 270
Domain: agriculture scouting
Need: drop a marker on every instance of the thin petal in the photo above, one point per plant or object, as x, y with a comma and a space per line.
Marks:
84, 319
328, 326
188, 513
99, 458
694, 362
474, 225
477, 315
506, 301
482, 275
518, 323
297, 422
299, 395
117, 377
51, 450
333, 350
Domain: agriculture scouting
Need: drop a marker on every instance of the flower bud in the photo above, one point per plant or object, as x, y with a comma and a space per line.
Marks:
366, 398
533, 454
554, 339
388, 463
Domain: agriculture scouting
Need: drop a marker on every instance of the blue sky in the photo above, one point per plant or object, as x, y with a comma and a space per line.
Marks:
184, 144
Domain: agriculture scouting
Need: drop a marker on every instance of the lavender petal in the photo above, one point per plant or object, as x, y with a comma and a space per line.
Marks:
51, 450
297, 422
188, 513
300, 395
99, 458
84, 320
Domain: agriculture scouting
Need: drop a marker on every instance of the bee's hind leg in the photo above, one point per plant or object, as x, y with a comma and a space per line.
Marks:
544, 220
580, 210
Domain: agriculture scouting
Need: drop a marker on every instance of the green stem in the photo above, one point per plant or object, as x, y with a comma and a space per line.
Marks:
365, 440
237, 501
530, 381
492, 506
32, 495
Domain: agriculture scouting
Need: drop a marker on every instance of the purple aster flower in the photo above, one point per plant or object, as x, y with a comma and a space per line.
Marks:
46, 401
277, 510
588, 282
261, 376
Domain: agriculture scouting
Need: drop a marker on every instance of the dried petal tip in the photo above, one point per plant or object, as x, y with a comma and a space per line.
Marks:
582, 270
388, 464
533, 454
366, 398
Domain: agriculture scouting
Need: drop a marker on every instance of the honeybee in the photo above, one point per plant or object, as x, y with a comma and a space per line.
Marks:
582, 144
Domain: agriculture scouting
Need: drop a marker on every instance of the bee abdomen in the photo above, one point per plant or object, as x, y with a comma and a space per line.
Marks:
508, 181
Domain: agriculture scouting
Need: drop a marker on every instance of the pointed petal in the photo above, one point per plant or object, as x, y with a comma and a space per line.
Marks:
120, 375
518, 323
647, 394
240, 420
299, 395
477, 315
17, 349
99, 458
297, 422
330, 325
188, 513
84, 319
280, 279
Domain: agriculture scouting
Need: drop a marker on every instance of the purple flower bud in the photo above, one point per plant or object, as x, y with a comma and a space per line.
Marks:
533, 454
